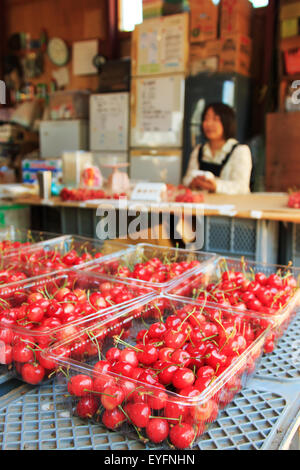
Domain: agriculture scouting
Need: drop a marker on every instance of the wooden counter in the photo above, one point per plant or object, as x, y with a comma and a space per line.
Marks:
265, 206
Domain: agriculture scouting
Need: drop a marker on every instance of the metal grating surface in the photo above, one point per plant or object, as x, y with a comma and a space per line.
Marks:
244, 236
284, 361
218, 234
4, 374
41, 420
296, 245
228, 235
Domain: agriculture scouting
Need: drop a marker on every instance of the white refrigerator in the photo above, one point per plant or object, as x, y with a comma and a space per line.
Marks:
156, 139
109, 129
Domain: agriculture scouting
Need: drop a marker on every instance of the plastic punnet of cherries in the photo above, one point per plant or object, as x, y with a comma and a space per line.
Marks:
22, 265
243, 290
165, 371
54, 309
153, 270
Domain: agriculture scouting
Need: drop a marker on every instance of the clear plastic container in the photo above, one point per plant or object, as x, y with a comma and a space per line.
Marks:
57, 254
159, 267
13, 239
162, 371
207, 286
53, 307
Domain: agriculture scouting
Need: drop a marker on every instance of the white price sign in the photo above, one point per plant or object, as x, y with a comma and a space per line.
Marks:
148, 192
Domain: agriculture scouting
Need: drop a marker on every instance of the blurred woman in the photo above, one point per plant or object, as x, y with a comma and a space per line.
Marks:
221, 164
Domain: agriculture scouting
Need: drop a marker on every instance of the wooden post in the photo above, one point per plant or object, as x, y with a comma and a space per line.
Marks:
112, 36
2, 37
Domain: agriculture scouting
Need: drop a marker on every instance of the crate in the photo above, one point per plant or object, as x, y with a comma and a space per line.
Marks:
15, 214
80, 300
231, 236
123, 264
290, 244
200, 410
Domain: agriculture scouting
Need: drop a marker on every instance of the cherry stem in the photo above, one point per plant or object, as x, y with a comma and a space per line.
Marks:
165, 417
142, 438
99, 393
124, 343
94, 341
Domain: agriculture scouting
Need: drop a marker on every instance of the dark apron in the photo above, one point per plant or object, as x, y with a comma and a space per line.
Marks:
214, 168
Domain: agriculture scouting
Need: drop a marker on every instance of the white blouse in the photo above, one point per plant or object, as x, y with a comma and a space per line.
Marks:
235, 175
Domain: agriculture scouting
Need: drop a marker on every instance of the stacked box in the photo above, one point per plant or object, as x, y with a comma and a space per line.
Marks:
204, 56
235, 17
204, 16
290, 20
30, 168
152, 8
155, 8
71, 104
236, 54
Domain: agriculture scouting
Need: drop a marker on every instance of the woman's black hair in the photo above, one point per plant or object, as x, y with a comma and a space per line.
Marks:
227, 117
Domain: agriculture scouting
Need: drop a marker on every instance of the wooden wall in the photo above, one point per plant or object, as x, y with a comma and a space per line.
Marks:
282, 151
71, 20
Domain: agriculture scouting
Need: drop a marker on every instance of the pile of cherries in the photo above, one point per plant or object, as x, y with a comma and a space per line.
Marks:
154, 270
33, 318
35, 262
86, 194
294, 200
8, 245
153, 379
245, 292
183, 194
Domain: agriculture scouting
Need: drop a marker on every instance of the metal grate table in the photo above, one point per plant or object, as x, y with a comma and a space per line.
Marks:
263, 416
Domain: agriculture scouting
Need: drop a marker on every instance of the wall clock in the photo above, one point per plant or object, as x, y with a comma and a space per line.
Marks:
58, 51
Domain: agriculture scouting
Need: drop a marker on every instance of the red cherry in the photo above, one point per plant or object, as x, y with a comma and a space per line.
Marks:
129, 356
183, 378
174, 339
182, 435
80, 385
112, 397
157, 430
32, 373
148, 354
139, 414
22, 352
113, 419
87, 406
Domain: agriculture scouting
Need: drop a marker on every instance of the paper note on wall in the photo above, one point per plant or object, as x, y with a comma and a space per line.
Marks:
156, 104
172, 46
83, 54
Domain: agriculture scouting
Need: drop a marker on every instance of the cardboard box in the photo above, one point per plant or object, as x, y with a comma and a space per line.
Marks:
290, 10
172, 7
30, 168
205, 49
204, 57
235, 17
204, 16
152, 8
289, 28
236, 54
209, 64
70, 104
155, 8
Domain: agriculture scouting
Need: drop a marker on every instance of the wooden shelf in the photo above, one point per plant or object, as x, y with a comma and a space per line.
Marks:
288, 78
